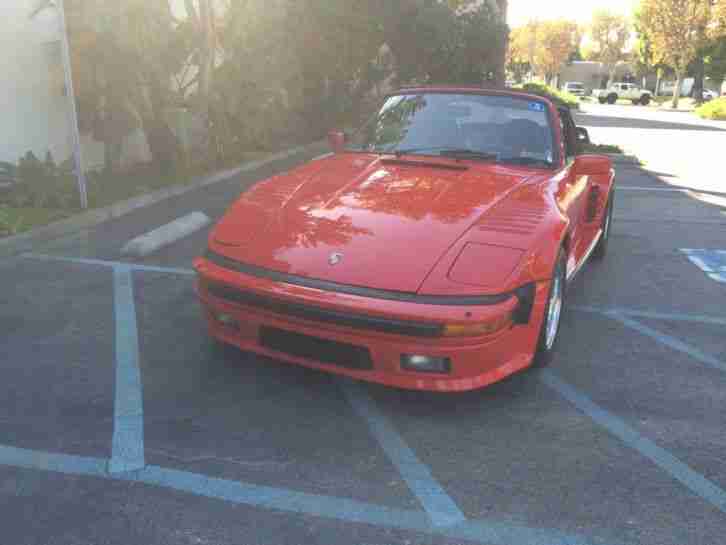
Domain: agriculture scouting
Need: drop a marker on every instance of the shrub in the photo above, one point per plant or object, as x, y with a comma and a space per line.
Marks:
555, 95
599, 148
9, 225
43, 184
713, 109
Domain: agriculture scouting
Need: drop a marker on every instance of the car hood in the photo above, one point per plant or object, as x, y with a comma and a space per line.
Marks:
360, 219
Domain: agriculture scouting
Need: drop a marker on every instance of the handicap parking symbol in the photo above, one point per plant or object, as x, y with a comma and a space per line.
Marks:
712, 262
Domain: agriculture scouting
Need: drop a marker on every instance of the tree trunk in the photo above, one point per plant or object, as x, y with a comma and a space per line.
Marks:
611, 75
698, 75
500, 76
677, 90
658, 81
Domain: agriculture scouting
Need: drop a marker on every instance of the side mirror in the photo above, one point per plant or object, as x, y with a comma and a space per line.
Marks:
592, 165
583, 137
336, 139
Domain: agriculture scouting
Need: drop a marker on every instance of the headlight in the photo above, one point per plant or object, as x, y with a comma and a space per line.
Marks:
485, 265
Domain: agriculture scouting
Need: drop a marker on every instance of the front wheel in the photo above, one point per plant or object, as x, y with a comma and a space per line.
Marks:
645, 100
549, 333
612, 99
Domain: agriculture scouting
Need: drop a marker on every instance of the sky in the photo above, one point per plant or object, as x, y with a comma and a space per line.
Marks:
520, 11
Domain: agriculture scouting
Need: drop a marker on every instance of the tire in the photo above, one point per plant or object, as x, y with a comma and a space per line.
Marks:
601, 249
602, 100
645, 100
549, 332
612, 98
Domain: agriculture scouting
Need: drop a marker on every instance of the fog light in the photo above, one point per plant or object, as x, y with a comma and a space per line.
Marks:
226, 320
425, 364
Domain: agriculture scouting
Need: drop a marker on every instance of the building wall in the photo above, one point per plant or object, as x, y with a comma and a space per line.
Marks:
33, 97
33, 109
593, 75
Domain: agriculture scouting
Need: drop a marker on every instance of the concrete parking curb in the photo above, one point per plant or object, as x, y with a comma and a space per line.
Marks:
24, 242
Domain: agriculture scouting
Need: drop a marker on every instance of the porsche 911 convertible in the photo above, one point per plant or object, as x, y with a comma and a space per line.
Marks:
431, 250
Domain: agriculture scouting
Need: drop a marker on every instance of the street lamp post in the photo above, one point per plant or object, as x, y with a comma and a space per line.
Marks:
77, 151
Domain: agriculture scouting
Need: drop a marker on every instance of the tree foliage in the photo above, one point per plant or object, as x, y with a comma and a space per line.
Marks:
255, 72
608, 33
523, 44
556, 41
678, 29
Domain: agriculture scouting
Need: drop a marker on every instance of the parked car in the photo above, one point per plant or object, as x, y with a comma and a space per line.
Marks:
432, 250
628, 91
708, 94
575, 88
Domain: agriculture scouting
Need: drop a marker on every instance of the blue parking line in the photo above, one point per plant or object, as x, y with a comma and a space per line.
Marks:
697, 483
668, 316
667, 340
291, 501
128, 425
102, 263
48, 461
437, 503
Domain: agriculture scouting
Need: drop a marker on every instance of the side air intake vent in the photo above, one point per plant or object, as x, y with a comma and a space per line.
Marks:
519, 221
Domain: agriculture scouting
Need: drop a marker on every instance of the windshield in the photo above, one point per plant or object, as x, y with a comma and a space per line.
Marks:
502, 128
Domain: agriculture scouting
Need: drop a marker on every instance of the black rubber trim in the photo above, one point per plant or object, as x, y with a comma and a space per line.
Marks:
325, 285
317, 314
345, 355
523, 312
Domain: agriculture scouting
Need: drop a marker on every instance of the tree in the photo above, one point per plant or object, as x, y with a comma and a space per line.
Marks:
557, 40
433, 42
715, 59
608, 33
677, 30
518, 57
523, 46
123, 57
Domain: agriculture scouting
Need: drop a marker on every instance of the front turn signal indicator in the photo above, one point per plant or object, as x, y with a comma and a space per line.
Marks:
478, 329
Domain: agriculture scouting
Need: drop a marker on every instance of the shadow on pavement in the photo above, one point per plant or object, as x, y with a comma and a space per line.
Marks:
634, 123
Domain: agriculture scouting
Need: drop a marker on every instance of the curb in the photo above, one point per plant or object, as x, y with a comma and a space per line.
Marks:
24, 242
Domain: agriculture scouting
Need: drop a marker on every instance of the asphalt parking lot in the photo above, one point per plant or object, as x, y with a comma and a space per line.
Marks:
120, 424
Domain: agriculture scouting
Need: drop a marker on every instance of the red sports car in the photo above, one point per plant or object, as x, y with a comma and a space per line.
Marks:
430, 251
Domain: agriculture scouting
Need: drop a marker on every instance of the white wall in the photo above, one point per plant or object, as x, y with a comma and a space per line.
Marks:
34, 116
34, 107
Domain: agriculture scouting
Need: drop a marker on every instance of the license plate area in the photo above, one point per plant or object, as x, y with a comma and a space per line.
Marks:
345, 355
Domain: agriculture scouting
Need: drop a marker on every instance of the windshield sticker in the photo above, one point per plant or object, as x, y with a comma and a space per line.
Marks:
536, 106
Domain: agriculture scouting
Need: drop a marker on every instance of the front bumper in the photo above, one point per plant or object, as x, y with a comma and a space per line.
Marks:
475, 361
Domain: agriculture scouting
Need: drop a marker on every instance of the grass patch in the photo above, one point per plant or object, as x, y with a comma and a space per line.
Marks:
17, 216
713, 109
600, 148
104, 190
17, 220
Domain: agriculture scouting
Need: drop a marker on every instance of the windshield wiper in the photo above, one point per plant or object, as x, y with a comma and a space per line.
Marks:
525, 161
451, 152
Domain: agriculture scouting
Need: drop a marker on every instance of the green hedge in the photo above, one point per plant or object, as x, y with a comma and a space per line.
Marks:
713, 109
555, 95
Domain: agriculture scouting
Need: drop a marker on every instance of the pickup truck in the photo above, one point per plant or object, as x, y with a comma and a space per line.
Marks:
627, 91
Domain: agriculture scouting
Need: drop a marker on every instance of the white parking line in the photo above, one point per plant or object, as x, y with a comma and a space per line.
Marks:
166, 234
660, 189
